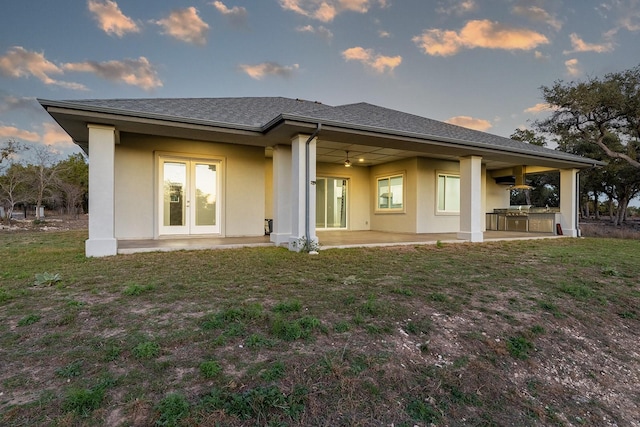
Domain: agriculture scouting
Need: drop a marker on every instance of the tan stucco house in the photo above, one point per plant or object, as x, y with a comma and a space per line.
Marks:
168, 168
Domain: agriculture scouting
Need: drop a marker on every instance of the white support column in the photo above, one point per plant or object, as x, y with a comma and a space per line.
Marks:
102, 240
299, 213
281, 195
471, 199
569, 202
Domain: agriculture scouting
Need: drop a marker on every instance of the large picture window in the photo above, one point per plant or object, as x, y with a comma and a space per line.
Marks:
448, 193
391, 193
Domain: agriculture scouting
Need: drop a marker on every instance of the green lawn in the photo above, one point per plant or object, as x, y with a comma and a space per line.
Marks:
541, 332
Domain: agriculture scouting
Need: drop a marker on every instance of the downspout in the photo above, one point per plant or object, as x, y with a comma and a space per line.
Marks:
578, 233
307, 187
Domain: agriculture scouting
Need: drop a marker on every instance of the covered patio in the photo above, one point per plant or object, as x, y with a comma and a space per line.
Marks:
328, 240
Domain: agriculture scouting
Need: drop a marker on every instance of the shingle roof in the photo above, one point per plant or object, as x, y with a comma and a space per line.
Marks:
249, 112
259, 113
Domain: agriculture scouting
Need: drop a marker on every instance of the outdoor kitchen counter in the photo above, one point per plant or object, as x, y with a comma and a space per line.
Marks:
535, 222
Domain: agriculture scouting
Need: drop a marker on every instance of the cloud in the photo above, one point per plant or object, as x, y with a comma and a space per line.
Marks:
54, 135
321, 31
478, 34
12, 132
458, 7
384, 34
18, 63
21, 63
259, 71
470, 123
573, 67
631, 22
136, 72
13, 103
369, 58
237, 15
185, 25
111, 19
541, 56
327, 10
580, 45
538, 14
541, 107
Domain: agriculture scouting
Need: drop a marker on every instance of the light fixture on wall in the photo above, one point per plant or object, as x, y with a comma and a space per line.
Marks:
347, 163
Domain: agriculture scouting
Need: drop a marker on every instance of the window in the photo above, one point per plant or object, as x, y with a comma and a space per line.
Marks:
448, 193
391, 193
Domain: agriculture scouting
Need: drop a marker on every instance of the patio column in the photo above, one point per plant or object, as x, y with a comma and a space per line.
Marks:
471, 199
568, 202
299, 213
281, 194
102, 240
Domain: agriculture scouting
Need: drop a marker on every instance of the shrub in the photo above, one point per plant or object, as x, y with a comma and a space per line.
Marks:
287, 306
47, 279
172, 409
29, 320
83, 401
210, 369
519, 347
146, 350
133, 289
71, 370
422, 411
274, 372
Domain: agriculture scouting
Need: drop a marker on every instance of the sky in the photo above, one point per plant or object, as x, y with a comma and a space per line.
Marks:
475, 63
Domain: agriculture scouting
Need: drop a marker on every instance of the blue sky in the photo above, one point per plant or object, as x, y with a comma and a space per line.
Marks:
477, 63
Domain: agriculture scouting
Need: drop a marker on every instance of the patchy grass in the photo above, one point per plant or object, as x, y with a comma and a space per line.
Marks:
513, 333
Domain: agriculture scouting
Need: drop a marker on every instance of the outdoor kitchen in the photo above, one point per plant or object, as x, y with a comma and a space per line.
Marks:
524, 218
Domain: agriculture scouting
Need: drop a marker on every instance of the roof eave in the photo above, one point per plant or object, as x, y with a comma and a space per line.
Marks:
75, 106
577, 161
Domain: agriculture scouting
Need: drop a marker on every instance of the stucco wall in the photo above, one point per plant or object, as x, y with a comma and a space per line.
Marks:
497, 195
428, 219
358, 196
243, 177
399, 222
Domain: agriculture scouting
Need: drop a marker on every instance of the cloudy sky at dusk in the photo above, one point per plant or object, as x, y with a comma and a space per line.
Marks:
476, 63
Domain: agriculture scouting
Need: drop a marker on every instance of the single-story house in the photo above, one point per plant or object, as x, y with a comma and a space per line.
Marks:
168, 168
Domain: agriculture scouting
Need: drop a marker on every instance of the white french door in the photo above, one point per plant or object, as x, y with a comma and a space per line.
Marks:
189, 201
331, 203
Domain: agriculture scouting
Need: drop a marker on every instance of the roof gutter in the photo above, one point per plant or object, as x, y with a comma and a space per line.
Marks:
307, 192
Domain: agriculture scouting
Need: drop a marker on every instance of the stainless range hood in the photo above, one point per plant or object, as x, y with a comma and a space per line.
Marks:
521, 184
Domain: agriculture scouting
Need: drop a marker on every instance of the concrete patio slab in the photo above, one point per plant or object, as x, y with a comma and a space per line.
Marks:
328, 240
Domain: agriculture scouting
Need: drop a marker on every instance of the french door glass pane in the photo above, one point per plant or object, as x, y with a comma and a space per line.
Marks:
321, 206
175, 183
383, 193
336, 203
331, 203
205, 188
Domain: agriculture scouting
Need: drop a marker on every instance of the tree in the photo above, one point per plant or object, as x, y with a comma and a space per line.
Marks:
43, 174
8, 149
72, 180
594, 109
14, 187
600, 118
545, 191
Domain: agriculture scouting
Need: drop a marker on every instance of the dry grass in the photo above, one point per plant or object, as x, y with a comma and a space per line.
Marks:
516, 333
604, 228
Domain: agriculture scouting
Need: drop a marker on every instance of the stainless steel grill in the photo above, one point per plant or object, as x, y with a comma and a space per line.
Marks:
518, 210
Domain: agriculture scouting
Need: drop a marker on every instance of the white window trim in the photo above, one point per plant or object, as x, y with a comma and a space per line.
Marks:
388, 176
437, 193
